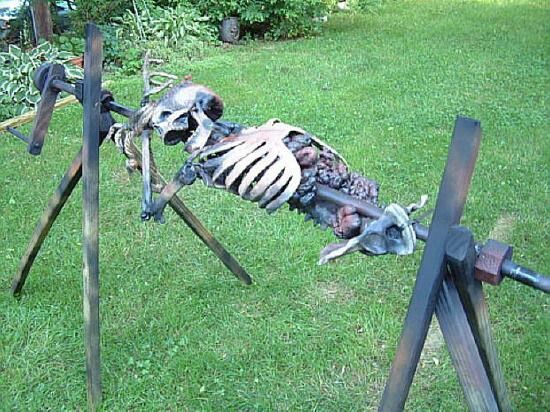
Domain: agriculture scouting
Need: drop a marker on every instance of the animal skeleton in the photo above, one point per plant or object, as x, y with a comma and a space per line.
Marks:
271, 164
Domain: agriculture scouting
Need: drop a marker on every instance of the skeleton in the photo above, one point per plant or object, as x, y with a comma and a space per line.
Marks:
271, 164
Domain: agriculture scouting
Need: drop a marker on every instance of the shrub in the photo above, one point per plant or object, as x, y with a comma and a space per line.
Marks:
98, 11
278, 18
179, 30
172, 27
70, 42
17, 91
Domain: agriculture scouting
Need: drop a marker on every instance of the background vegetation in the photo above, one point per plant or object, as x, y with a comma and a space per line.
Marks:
175, 29
180, 333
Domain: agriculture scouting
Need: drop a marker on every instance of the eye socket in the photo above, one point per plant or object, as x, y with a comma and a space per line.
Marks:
182, 120
164, 115
394, 232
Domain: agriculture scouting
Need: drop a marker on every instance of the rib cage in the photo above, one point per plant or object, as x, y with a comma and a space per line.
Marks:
256, 164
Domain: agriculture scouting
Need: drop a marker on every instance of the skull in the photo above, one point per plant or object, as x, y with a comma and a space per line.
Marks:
186, 114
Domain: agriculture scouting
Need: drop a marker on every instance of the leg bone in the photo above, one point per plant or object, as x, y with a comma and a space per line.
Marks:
186, 176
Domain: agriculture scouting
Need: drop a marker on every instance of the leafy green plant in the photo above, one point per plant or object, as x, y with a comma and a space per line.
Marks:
112, 46
17, 91
275, 18
179, 30
70, 42
218, 10
172, 27
20, 27
98, 11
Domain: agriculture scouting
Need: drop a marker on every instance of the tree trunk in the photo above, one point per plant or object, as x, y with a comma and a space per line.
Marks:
41, 20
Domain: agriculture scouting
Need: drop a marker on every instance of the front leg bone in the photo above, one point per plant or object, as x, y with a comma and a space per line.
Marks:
186, 176
147, 198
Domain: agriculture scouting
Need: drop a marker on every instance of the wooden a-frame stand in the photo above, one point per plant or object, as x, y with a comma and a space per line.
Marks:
86, 166
445, 283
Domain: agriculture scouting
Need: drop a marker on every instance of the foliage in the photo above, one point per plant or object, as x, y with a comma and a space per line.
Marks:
171, 27
17, 91
20, 30
70, 42
278, 18
220, 9
98, 11
177, 30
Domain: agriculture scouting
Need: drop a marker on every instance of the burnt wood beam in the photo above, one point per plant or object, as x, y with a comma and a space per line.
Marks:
449, 206
55, 205
193, 222
45, 109
93, 59
461, 343
461, 256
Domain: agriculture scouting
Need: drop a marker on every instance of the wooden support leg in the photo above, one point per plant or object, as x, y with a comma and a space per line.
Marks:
93, 59
209, 240
147, 199
462, 347
56, 203
461, 258
193, 222
450, 203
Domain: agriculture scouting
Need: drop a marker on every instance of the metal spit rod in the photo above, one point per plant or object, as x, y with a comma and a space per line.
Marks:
509, 268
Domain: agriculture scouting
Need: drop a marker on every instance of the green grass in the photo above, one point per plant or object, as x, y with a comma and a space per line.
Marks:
180, 333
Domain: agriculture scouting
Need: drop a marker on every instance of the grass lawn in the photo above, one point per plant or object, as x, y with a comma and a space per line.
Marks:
179, 332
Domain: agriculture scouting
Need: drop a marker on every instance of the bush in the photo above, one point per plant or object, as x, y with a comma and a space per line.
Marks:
277, 18
17, 91
70, 42
173, 27
98, 11
179, 30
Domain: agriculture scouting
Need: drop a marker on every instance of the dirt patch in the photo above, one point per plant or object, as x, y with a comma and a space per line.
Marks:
334, 292
503, 228
121, 175
431, 353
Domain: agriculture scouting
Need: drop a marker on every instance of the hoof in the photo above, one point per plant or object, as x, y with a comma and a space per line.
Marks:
159, 217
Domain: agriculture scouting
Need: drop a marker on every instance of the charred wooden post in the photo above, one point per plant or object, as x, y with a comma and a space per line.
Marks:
55, 205
47, 75
462, 348
93, 60
461, 259
450, 203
